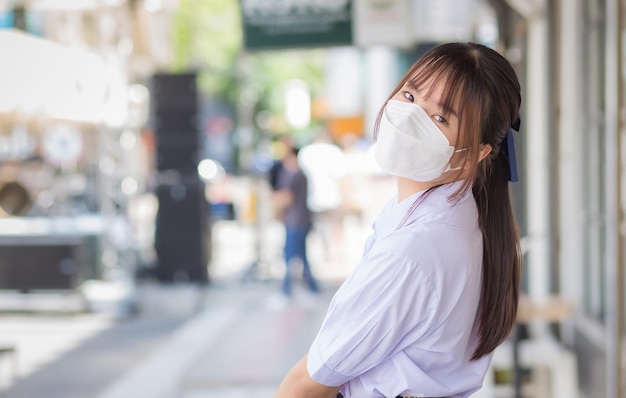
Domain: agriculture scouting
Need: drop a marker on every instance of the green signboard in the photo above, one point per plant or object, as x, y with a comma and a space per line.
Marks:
274, 24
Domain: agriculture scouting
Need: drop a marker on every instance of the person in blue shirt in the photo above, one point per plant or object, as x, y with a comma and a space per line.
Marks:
437, 288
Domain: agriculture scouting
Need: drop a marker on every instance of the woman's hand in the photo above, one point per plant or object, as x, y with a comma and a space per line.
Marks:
298, 384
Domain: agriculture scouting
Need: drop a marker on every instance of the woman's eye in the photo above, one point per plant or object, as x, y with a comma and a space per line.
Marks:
408, 96
440, 119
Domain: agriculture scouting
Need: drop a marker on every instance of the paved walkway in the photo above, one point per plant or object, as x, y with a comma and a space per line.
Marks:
240, 344
236, 342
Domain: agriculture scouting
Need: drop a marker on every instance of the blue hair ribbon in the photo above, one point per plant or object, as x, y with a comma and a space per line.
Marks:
508, 145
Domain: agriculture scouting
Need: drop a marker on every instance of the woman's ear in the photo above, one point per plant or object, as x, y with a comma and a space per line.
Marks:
485, 150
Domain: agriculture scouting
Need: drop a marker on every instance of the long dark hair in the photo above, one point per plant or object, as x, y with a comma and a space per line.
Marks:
489, 101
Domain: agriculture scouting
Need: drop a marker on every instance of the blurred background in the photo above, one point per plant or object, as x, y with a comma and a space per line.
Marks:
140, 248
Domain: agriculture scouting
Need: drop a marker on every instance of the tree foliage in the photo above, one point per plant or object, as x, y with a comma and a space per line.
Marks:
208, 38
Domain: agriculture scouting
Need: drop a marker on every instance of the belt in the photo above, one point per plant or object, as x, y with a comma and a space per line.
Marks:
340, 395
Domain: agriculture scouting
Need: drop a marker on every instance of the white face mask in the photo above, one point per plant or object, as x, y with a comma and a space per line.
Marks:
410, 145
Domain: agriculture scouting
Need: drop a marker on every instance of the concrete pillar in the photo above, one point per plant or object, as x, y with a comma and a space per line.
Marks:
570, 152
536, 122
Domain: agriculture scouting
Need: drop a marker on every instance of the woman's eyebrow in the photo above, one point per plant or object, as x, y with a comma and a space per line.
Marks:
412, 85
448, 110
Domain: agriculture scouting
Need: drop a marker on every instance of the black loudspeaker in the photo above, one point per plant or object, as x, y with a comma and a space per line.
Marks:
175, 120
182, 233
177, 153
42, 264
180, 119
172, 86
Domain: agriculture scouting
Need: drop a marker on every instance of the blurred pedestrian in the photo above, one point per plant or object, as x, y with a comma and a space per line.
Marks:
284, 144
323, 163
290, 198
437, 288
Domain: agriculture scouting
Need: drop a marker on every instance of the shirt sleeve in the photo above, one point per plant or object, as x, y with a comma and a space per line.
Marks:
385, 305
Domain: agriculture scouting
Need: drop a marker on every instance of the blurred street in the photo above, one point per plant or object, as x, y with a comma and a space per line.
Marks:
228, 339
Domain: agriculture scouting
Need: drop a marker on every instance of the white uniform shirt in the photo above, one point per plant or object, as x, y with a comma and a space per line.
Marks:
404, 321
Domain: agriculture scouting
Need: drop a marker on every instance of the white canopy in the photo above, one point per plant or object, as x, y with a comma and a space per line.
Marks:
39, 77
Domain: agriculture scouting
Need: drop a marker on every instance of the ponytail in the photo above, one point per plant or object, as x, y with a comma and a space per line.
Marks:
502, 260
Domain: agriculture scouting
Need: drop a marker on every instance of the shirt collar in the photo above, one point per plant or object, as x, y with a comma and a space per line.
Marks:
394, 212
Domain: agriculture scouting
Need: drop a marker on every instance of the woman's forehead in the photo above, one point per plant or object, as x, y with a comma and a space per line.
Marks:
438, 90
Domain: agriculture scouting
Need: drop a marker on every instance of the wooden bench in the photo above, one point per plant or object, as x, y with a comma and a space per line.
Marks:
553, 366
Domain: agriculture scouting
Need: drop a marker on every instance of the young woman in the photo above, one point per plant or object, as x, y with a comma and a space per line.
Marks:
437, 288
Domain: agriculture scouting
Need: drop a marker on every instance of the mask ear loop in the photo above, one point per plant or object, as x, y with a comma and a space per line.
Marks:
458, 167
508, 145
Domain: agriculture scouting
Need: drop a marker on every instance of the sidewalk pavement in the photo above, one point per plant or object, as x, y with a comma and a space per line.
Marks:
240, 344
